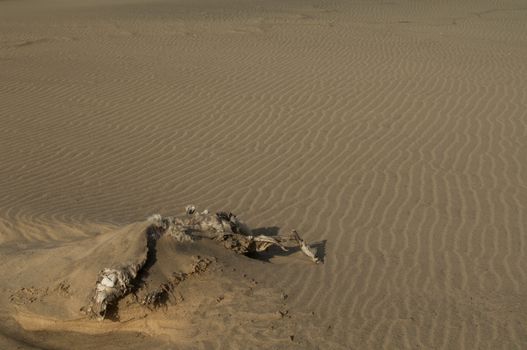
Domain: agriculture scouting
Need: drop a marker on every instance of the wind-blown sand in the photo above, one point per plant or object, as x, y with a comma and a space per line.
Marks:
391, 134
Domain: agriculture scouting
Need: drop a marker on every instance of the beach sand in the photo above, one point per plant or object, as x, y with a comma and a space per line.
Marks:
391, 135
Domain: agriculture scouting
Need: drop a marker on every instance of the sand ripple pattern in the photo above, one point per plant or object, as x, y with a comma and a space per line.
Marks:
394, 133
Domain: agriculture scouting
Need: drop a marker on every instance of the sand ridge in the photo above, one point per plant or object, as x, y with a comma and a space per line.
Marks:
392, 133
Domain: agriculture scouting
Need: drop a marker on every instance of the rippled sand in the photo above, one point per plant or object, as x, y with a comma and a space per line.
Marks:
393, 134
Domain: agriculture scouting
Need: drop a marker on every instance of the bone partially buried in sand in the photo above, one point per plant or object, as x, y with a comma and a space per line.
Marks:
114, 283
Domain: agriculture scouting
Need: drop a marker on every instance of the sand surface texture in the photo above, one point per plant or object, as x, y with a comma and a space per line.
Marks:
391, 134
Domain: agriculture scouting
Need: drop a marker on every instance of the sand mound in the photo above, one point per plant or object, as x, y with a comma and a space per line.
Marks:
180, 291
72, 268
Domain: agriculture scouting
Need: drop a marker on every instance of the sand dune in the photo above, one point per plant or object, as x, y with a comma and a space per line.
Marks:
392, 134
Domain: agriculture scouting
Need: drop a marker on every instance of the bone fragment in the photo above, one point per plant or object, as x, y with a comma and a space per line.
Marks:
307, 250
112, 284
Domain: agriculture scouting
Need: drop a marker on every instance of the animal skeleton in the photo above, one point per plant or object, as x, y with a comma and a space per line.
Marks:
114, 283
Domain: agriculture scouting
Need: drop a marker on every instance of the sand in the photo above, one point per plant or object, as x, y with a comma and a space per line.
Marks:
391, 134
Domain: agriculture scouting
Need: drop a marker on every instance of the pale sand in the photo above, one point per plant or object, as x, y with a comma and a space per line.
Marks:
394, 133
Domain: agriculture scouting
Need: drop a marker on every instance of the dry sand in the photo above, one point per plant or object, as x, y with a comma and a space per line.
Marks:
394, 134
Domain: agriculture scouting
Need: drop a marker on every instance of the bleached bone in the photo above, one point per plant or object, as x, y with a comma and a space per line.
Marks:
190, 209
307, 250
249, 244
111, 285
264, 242
226, 227
213, 225
155, 220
